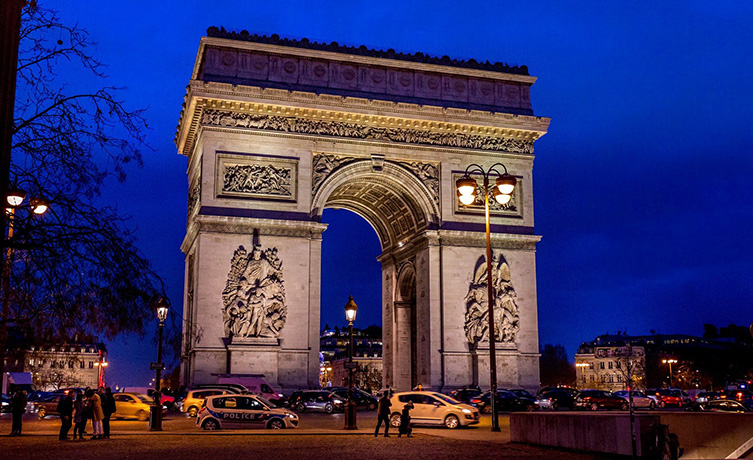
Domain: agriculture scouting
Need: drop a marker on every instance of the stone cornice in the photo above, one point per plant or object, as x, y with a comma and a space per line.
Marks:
308, 113
268, 227
498, 240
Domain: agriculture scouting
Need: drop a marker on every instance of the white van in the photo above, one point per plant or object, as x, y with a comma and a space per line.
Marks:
256, 384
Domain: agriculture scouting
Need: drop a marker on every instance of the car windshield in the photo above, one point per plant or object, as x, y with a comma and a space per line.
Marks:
144, 398
265, 402
446, 399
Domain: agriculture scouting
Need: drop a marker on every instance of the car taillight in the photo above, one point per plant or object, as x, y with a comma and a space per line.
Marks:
475, 400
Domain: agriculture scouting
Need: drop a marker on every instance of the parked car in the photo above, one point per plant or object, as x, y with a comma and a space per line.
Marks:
5, 403
572, 391
673, 397
706, 396
430, 408
195, 399
557, 398
640, 400
256, 385
598, 399
315, 400
243, 411
231, 387
720, 405
738, 395
48, 405
506, 401
361, 398
521, 393
464, 395
132, 405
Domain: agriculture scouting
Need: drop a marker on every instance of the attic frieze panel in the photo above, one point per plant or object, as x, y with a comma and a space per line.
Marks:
256, 177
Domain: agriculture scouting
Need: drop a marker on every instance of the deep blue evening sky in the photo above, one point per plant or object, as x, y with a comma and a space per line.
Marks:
642, 186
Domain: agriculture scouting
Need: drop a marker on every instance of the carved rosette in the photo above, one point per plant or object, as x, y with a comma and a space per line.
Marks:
230, 119
506, 318
254, 296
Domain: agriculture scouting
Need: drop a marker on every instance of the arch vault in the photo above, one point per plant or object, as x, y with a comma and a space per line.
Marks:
277, 131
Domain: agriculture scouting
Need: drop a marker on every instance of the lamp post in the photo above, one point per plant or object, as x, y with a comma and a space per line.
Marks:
350, 406
582, 366
670, 362
156, 407
502, 192
14, 201
101, 372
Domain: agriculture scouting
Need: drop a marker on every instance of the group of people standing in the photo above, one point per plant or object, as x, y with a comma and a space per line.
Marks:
90, 405
383, 415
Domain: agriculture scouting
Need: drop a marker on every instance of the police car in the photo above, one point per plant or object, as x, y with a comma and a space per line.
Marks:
244, 412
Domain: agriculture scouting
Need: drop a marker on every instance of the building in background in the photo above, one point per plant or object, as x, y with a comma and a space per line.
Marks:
80, 363
667, 360
367, 353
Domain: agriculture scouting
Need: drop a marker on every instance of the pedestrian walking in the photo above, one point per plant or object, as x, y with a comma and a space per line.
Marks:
65, 409
17, 409
108, 408
405, 428
383, 412
79, 416
97, 414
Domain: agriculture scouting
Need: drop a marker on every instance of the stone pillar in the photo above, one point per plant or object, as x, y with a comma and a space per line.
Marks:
403, 362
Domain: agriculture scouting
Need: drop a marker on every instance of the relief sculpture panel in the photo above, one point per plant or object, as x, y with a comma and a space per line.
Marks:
254, 296
256, 177
506, 318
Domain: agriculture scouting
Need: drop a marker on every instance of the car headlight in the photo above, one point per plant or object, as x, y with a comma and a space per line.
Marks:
466, 411
288, 414
338, 401
280, 395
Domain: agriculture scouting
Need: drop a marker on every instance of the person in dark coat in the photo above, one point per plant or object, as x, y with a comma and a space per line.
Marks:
383, 415
65, 409
108, 408
79, 417
17, 409
405, 428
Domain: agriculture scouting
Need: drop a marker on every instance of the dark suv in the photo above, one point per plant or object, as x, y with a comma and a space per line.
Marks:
506, 401
361, 398
464, 395
558, 398
315, 400
597, 399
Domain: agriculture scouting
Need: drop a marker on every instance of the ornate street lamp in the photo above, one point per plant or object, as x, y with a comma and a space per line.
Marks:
101, 371
162, 307
670, 362
350, 406
14, 202
502, 192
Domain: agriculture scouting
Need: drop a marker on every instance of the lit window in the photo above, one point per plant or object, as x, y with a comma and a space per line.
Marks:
91, 364
601, 365
611, 364
82, 364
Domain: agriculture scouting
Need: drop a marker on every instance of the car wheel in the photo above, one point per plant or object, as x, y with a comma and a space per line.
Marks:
679, 404
652, 405
555, 406
192, 411
300, 407
42, 413
663, 404
371, 406
530, 408
624, 406
451, 422
487, 409
210, 425
276, 424
395, 420
594, 406
329, 408
142, 415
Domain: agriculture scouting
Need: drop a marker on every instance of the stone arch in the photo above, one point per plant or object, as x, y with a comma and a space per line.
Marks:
391, 198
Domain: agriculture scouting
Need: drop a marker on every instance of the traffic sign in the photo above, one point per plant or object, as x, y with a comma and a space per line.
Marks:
156, 366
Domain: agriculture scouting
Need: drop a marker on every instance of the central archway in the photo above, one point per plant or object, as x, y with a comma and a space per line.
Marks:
399, 208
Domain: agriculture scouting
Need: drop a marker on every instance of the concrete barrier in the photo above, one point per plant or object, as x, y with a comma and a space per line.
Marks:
702, 435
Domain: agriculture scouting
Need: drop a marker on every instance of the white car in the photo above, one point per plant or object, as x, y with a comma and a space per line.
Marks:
640, 400
430, 408
244, 412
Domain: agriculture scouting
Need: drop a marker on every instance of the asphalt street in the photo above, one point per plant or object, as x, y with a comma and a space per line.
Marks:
319, 436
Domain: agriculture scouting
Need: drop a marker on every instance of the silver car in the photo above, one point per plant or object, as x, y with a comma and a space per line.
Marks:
640, 400
243, 412
430, 408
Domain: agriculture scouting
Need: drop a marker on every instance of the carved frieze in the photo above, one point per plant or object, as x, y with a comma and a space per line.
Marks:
230, 119
194, 196
428, 174
506, 318
254, 296
322, 167
256, 177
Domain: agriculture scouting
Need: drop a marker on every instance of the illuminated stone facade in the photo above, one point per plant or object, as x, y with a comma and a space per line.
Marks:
275, 132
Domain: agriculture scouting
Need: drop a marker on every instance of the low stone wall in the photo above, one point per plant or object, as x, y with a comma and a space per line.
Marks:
607, 432
710, 434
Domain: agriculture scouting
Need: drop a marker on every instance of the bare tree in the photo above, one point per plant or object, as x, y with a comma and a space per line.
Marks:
76, 268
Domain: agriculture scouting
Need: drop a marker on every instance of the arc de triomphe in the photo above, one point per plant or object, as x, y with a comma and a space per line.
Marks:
275, 131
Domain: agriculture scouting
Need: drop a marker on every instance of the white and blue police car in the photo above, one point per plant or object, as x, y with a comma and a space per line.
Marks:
243, 412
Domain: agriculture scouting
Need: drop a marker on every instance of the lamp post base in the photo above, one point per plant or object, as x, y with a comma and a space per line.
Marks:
350, 416
155, 417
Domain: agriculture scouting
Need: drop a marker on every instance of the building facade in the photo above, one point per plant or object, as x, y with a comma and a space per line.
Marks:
275, 131
610, 368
